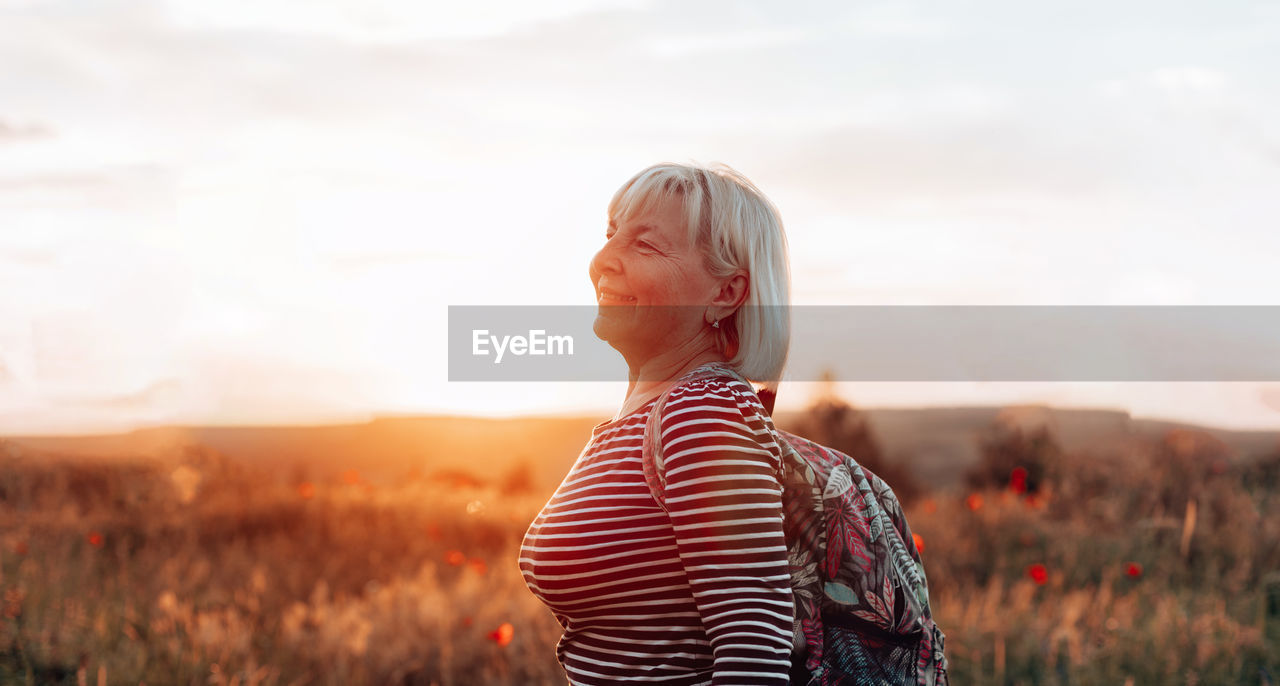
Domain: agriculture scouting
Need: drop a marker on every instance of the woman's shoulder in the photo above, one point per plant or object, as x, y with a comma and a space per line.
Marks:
721, 412
720, 390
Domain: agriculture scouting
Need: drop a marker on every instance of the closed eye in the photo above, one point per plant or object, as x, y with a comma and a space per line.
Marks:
643, 244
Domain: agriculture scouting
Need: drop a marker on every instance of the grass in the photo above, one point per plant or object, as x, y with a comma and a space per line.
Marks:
196, 569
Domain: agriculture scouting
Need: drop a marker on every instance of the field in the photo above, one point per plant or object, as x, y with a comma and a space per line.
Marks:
1160, 565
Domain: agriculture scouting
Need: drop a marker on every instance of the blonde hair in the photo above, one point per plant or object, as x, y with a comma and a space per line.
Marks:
736, 227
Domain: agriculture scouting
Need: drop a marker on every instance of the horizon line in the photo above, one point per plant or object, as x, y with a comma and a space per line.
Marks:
369, 418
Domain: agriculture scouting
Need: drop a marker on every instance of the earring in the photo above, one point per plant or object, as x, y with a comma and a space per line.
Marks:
716, 324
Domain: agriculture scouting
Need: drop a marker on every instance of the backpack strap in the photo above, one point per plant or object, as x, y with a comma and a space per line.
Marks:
651, 451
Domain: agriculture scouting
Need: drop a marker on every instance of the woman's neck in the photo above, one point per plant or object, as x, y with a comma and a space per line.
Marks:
659, 373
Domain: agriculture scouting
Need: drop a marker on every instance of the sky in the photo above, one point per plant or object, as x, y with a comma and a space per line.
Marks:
259, 211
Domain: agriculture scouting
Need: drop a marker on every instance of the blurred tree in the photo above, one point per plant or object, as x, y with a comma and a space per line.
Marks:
518, 478
1262, 474
457, 478
1186, 462
299, 473
833, 422
1014, 457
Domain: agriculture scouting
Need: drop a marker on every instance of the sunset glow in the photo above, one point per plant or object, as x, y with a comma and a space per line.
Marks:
258, 213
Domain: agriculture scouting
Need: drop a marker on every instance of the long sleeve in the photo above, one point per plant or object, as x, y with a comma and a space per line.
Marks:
725, 503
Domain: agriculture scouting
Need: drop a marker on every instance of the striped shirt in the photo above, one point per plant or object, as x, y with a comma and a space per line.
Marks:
699, 594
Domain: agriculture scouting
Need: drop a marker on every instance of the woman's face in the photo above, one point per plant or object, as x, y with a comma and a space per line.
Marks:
652, 286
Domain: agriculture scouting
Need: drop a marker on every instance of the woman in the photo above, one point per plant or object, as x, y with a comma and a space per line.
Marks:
693, 271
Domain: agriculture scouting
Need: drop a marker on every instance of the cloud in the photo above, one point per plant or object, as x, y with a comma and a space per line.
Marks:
248, 386
155, 397
226, 387
10, 132
879, 166
378, 21
67, 181
723, 42
1183, 79
28, 256
357, 262
1172, 86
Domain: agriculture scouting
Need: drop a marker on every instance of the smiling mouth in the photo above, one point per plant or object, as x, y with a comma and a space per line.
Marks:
611, 298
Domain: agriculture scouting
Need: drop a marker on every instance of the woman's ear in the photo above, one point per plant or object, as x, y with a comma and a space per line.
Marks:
733, 292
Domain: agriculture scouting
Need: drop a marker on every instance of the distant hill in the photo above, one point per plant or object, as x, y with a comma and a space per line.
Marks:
383, 449
940, 443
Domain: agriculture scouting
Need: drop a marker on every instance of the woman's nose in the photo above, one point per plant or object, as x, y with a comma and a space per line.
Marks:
605, 260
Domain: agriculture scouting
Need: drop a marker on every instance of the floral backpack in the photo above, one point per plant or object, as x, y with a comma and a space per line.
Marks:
861, 599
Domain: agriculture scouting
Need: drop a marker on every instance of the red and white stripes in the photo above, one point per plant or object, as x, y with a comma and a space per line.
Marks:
699, 594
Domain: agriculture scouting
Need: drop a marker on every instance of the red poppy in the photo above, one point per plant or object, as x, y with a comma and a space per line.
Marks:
1133, 570
502, 635
467, 621
307, 490
20, 548
455, 558
1018, 480
478, 566
919, 542
433, 532
1038, 574
930, 506
13, 598
95, 539
974, 501
351, 476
